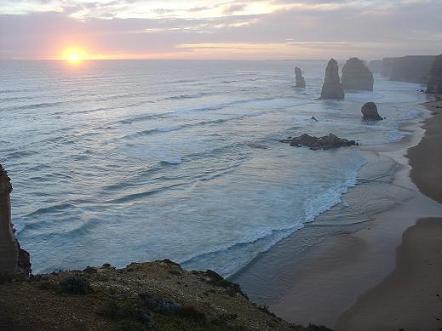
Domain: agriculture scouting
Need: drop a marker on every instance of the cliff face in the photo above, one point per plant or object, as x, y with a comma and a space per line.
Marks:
332, 87
300, 81
356, 75
13, 259
412, 69
8, 244
435, 81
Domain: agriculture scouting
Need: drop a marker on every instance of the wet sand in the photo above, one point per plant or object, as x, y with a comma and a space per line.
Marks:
323, 285
426, 157
411, 297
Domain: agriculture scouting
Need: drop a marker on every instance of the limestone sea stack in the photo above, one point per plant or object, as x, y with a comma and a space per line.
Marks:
435, 81
332, 88
370, 112
13, 259
356, 75
300, 81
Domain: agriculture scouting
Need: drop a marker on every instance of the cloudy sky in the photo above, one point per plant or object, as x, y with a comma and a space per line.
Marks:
220, 29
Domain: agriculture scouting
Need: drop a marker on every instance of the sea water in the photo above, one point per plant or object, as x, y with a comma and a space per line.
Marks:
123, 161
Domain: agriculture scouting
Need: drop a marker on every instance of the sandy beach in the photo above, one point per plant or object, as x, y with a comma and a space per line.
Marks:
327, 285
410, 297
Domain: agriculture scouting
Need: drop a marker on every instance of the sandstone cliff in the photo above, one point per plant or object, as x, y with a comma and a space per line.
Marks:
13, 259
435, 77
356, 75
412, 69
332, 87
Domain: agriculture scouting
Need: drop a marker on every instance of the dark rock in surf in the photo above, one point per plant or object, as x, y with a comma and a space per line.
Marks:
300, 81
356, 75
326, 142
332, 87
370, 112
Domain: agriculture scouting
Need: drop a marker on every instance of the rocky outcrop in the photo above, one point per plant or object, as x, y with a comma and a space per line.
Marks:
332, 87
326, 142
13, 259
300, 81
370, 112
143, 296
435, 81
356, 75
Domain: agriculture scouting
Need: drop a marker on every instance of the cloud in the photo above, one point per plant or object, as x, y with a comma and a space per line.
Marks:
266, 28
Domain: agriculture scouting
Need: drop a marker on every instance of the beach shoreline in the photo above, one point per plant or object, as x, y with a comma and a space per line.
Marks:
411, 294
325, 281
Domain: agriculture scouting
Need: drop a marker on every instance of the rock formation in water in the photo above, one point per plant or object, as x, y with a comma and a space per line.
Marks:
332, 87
300, 81
326, 142
356, 75
370, 112
435, 78
13, 259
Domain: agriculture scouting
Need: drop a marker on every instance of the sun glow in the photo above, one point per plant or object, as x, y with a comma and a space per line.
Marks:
74, 55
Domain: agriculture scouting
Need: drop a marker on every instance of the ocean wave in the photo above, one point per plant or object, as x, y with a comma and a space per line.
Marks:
35, 106
51, 209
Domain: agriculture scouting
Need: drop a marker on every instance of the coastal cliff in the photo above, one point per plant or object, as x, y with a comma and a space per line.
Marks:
143, 296
435, 78
13, 259
412, 69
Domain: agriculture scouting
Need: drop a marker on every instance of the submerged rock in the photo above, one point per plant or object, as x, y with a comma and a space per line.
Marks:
370, 112
325, 142
300, 81
356, 75
332, 88
435, 82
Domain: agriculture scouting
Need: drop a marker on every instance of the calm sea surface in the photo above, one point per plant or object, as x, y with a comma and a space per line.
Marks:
121, 161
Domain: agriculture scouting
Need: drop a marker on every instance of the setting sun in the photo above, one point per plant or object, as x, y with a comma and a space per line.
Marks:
74, 55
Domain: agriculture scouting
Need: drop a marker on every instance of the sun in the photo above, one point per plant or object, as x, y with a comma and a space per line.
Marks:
74, 55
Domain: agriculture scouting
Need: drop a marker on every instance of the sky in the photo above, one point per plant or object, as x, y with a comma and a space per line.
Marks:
219, 29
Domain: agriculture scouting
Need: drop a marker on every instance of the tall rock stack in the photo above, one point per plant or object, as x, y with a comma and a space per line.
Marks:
8, 244
356, 75
332, 88
435, 82
13, 259
300, 81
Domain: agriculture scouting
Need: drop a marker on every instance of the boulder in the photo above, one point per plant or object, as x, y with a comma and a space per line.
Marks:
332, 87
356, 75
326, 142
370, 112
300, 81
435, 81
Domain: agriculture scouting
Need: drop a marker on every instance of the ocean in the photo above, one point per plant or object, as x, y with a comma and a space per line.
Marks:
123, 161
